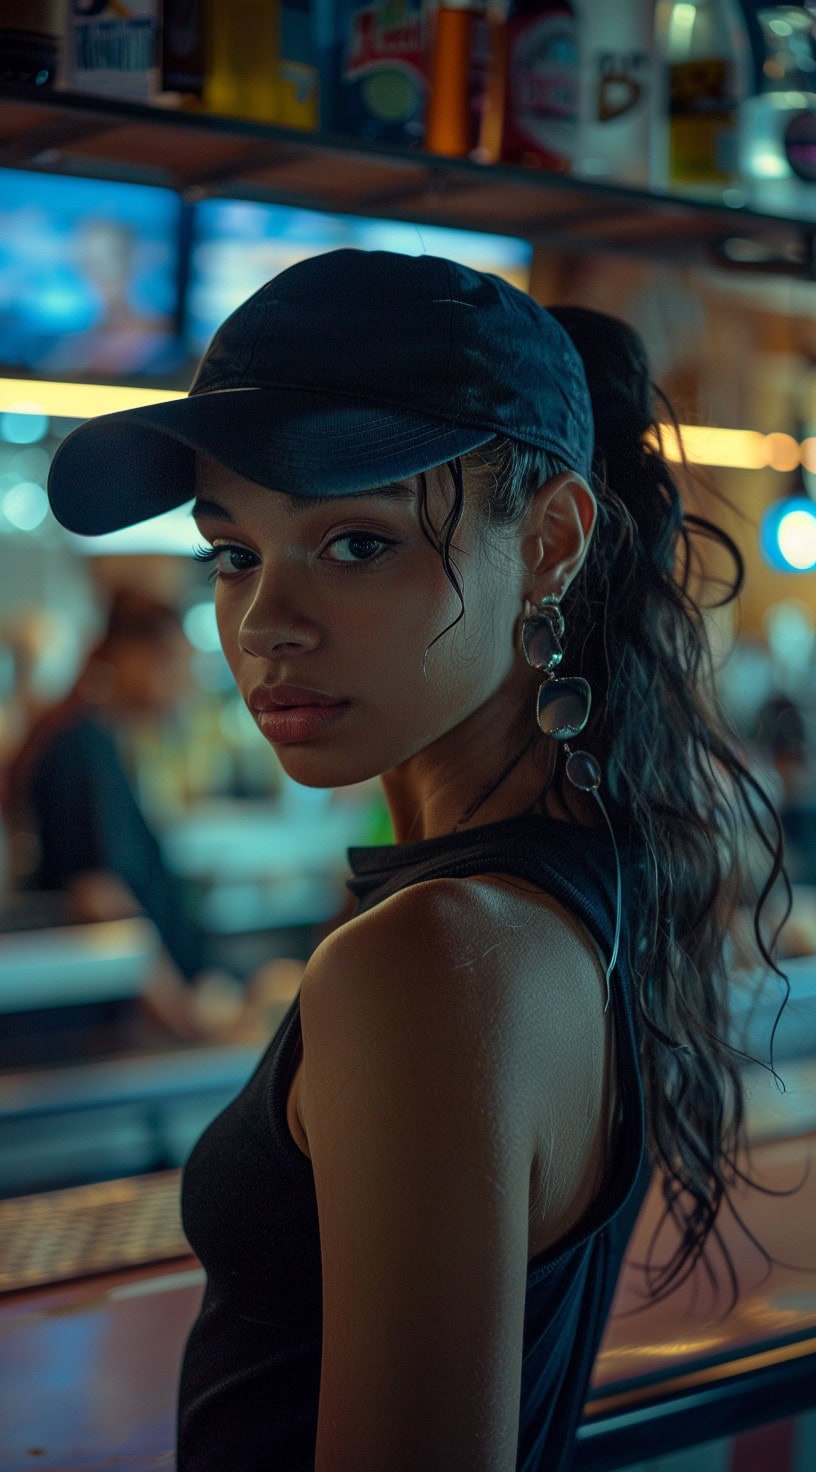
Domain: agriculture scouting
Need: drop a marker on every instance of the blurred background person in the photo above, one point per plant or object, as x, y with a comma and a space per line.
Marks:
782, 738
74, 820
779, 752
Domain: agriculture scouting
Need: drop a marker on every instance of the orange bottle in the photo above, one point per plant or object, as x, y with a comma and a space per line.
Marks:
458, 70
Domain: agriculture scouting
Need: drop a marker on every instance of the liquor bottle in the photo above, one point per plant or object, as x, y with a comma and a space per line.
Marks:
242, 59
328, 52
489, 145
299, 82
382, 86
778, 121
542, 85
458, 77
113, 50
31, 34
703, 72
182, 51
615, 44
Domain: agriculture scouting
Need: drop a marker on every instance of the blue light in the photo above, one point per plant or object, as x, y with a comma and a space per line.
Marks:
787, 535
23, 429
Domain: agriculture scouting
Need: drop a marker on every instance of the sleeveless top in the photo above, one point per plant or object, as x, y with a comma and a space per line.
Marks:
250, 1377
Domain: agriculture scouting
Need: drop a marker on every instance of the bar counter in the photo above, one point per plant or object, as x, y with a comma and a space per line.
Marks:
89, 1365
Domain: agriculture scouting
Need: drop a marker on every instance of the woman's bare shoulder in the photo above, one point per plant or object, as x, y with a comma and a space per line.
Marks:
487, 924
444, 910
462, 953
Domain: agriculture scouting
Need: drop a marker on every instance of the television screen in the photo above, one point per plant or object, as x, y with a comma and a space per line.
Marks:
89, 273
240, 244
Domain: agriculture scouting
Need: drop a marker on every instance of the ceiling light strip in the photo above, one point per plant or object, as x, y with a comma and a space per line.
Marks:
739, 449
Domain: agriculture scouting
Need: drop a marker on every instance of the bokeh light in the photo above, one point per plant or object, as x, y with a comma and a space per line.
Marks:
797, 539
23, 426
201, 628
25, 506
787, 536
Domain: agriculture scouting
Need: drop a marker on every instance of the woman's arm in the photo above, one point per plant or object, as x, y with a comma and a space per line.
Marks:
420, 1134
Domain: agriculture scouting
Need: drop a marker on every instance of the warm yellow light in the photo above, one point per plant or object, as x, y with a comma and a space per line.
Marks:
743, 449
783, 451
739, 449
807, 450
75, 400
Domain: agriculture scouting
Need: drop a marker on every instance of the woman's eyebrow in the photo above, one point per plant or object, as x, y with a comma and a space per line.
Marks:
202, 507
396, 492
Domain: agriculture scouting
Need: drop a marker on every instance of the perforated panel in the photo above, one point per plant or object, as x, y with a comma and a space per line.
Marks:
55, 1235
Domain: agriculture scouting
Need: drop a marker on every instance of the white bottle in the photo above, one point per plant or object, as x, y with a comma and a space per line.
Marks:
615, 43
113, 49
778, 123
703, 71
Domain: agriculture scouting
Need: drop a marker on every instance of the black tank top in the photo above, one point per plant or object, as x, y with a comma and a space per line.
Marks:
250, 1378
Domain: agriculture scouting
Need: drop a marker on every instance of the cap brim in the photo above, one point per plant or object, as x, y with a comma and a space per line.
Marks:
119, 469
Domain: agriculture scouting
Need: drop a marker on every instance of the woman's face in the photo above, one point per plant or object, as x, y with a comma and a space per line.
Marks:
344, 597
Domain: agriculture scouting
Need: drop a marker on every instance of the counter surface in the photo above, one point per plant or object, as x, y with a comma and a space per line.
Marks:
89, 1368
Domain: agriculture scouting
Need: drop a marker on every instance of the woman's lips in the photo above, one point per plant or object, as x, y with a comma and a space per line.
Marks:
299, 722
282, 696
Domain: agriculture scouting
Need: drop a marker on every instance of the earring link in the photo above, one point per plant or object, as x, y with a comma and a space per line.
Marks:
562, 711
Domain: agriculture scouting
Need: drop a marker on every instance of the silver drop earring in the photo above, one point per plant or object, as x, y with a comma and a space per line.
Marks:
562, 711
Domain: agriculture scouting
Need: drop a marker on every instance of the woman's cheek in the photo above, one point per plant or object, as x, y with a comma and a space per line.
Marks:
228, 635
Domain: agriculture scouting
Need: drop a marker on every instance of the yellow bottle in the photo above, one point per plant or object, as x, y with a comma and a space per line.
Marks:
242, 59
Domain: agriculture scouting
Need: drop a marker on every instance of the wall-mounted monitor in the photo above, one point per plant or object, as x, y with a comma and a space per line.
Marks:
237, 245
89, 277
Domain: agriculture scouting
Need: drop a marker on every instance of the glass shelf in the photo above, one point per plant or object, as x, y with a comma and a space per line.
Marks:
202, 155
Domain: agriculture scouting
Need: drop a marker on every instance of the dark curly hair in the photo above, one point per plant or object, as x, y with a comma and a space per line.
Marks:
670, 759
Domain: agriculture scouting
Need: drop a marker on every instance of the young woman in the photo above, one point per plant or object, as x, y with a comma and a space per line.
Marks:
414, 1215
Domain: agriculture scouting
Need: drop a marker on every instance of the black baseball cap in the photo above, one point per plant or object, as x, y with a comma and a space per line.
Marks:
347, 371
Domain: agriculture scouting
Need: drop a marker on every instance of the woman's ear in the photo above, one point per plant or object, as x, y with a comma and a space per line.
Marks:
560, 522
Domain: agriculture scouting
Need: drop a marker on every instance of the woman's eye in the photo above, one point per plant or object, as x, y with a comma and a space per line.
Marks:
212, 554
355, 539
362, 537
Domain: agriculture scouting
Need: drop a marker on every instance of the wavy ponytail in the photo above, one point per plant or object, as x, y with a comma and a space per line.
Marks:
670, 760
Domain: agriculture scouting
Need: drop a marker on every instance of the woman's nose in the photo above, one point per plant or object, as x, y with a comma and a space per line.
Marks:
277, 618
